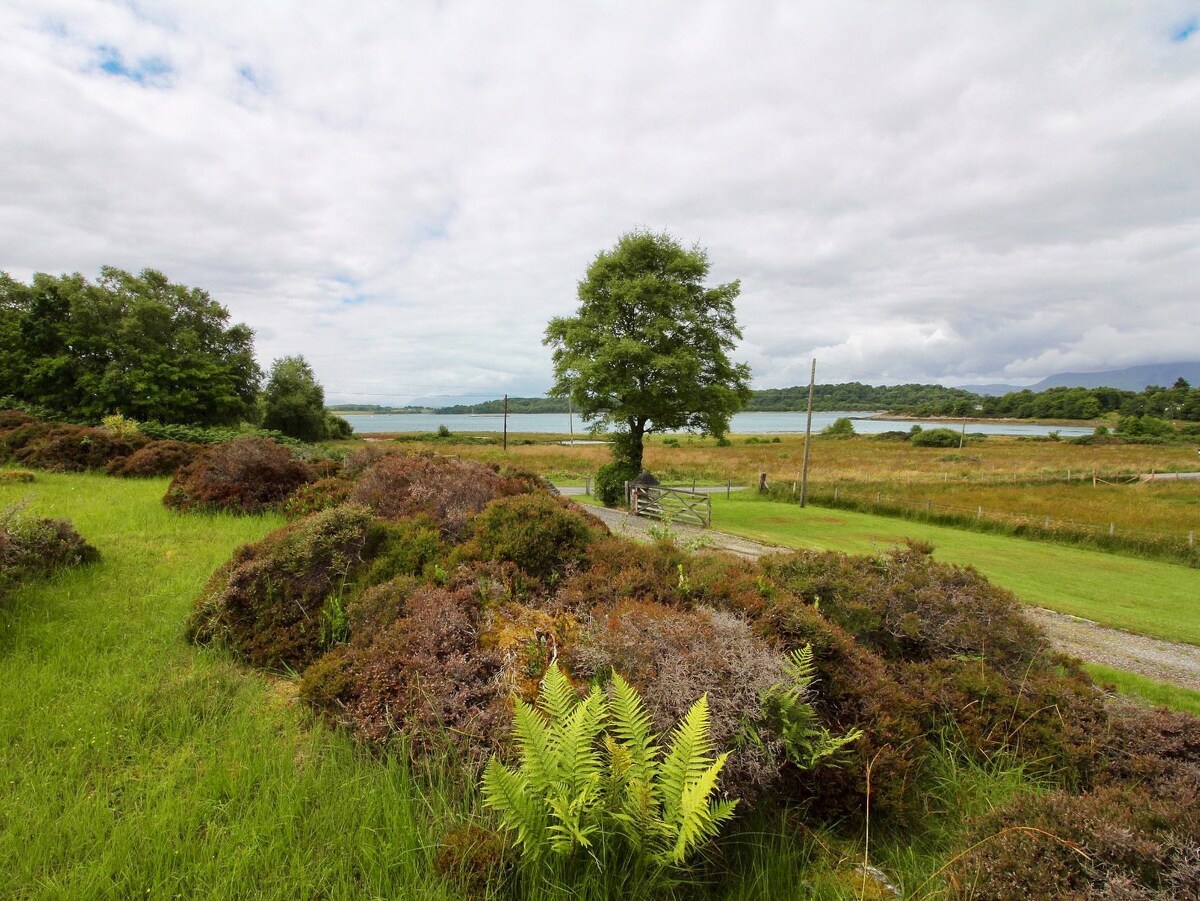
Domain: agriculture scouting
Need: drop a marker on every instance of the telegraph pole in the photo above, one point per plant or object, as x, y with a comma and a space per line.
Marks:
812, 382
506, 423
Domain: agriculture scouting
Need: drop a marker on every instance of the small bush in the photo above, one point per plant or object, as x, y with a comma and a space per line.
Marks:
158, 458
935, 438
610, 482
424, 675
122, 426
842, 427
538, 532
364, 457
17, 475
1113, 843
30, 546
404, 548
316, 496
249, 475
266, 603
449, 491
72, 448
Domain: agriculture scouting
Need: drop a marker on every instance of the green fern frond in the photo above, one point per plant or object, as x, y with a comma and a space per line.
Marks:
631, 724
578, 756
557, 694
508, 794
539, 757
689, 756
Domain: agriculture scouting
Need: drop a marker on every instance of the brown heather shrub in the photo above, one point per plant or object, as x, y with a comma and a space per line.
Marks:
1157, 748
424, 675
1117, 842
269, 602
21, 431
30, 546
316, 496
449, 491
474, 858
907, 606
17, 475
72, 448
674, 656
248, 475
13, 419
1053, 719
367, 455
158, 458
540, 533
619, 569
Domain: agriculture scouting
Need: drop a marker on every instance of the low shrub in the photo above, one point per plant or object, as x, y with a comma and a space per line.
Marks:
367, 455
248, 475
935, 438
72, 448
158, 458
907, 606
313, 497
449, 491
610, 482
404, 547
538, 532
266, 603
31, 546
17, 475
122, 427
424, 675
1112, 843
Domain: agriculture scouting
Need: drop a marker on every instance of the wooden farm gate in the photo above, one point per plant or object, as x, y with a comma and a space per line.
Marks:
671, 505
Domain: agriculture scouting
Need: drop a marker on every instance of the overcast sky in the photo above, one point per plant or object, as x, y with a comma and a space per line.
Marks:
405, 193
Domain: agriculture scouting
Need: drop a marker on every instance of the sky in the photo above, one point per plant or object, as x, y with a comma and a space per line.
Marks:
405, 193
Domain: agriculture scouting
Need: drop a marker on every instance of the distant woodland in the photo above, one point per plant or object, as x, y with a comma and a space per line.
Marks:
1178, 402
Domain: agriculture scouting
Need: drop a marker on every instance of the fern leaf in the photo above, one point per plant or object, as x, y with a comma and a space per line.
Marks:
507, 793
557, 695
689, 756
539, 756
696, 814
632, 727
578, 756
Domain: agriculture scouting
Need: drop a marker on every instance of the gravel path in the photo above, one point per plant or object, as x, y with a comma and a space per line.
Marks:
1164, 661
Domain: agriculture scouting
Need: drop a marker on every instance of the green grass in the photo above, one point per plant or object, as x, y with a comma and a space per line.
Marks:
135, 765
1144, 596
1150, 691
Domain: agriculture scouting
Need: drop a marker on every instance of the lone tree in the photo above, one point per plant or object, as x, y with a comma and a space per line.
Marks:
647, 351
294, 403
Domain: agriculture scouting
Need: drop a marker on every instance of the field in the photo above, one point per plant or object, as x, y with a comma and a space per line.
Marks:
137, 765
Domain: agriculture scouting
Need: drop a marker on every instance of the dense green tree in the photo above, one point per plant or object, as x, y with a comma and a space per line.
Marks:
647, 350
138, 345
293, 402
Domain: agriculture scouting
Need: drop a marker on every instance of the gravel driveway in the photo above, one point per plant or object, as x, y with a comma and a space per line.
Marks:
1164, 661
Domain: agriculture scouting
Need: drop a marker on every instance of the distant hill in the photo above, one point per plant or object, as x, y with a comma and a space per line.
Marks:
1135, 378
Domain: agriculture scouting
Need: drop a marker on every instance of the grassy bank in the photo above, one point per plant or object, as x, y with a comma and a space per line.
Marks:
136, 765
1143, 596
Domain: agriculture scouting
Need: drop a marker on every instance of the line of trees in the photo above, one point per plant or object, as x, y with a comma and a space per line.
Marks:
149, 349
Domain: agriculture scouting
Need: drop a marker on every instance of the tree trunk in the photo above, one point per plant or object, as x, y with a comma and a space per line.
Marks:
637, 430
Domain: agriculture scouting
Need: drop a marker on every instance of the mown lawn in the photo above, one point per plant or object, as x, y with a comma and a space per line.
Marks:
1143, 596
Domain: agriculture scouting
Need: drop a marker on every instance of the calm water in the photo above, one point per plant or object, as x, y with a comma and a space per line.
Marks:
743, 424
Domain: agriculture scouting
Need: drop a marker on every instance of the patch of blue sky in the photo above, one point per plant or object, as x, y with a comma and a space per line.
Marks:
1186, 30
149, 70
251, 79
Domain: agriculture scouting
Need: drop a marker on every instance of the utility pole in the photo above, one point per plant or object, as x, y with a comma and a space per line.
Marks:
812, 382
571, 419
506, 423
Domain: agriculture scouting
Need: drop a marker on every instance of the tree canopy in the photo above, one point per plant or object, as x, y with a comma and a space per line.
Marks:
138, 345
294, 403
647, 350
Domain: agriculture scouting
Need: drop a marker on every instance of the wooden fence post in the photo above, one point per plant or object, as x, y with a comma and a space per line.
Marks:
1112, 529
1191, 539
762, 483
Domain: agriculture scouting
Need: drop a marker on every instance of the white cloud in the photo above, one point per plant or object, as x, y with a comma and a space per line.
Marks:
406, 194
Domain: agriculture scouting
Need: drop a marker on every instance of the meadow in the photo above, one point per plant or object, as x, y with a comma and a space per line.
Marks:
138, 765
